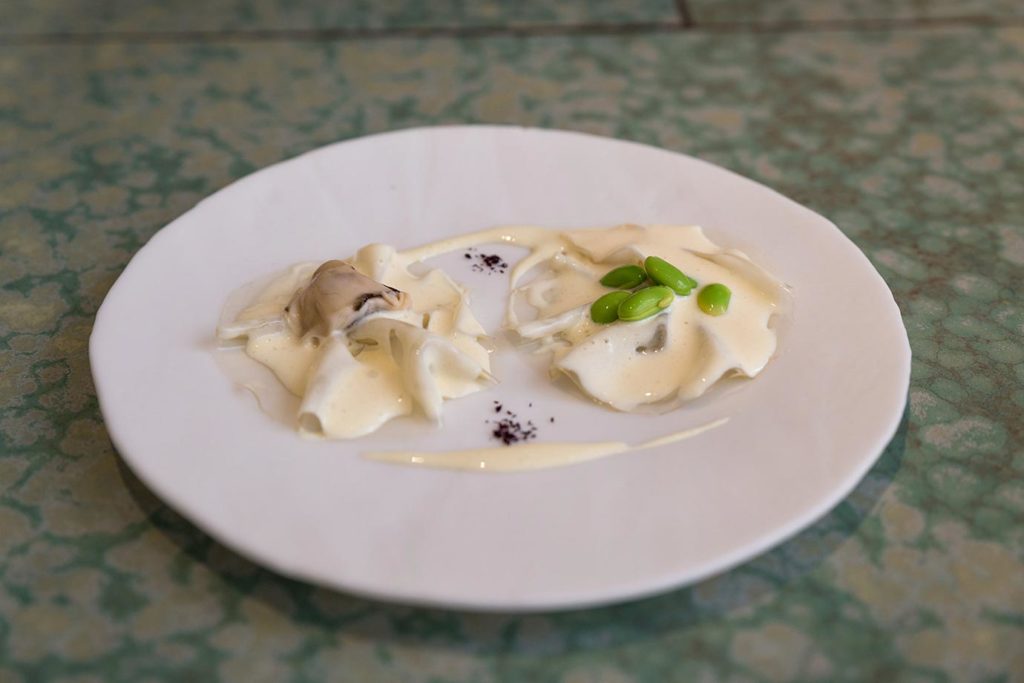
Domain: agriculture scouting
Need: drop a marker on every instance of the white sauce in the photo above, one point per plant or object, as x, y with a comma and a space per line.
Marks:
529, 456
396, 362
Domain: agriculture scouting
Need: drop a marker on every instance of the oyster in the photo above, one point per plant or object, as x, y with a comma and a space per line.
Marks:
338, 297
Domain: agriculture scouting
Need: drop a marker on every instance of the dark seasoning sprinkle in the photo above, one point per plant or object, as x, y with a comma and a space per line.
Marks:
509, 429
486, 263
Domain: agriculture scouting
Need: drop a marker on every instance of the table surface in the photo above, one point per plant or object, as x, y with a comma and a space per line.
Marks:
902, 122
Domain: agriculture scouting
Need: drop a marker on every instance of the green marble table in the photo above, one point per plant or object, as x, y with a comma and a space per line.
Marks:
903, 122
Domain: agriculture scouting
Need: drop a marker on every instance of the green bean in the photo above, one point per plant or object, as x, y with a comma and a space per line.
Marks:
664, 273
606, 309
645, 302
714, 299
624, 277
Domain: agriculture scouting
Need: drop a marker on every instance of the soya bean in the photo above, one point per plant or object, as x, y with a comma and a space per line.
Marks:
664, 273
606, 309
645, 303
624, 277
714, 299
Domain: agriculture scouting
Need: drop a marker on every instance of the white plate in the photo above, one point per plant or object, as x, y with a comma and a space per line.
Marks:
799, 437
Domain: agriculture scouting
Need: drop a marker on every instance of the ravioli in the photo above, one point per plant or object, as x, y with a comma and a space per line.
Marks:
668, 358
364, 341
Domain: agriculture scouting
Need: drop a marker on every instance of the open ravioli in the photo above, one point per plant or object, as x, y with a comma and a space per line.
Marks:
670, 357
364, 341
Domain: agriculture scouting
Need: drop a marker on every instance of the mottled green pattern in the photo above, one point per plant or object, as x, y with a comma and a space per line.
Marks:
761, 12
912, 141
23, 16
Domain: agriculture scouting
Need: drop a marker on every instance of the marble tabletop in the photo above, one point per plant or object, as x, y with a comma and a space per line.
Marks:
901, 121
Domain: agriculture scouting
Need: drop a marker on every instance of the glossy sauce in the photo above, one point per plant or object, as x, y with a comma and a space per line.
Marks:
363, 378
529, 456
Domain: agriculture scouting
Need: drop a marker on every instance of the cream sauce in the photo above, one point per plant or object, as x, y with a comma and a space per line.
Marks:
529, 456
394, 363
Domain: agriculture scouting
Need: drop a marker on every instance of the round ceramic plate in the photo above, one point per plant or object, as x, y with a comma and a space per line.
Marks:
797, 439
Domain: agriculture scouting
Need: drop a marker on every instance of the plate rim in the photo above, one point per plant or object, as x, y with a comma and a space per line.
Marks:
645, 588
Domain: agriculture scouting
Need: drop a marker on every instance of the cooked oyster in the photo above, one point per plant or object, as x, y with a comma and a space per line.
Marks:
337, 297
